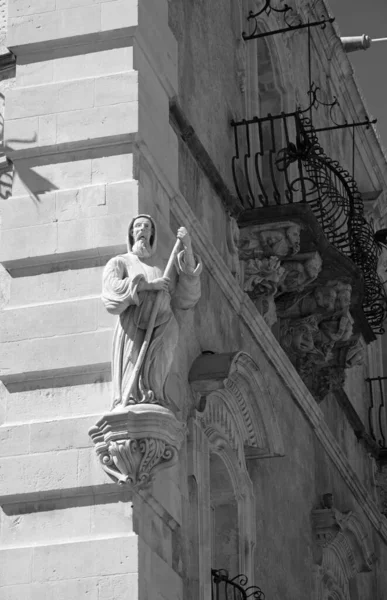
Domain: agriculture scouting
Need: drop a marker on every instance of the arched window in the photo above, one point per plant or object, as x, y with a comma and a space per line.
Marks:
234, 418
224, 518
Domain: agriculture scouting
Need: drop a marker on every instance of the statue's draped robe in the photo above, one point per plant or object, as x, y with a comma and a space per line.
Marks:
120, 296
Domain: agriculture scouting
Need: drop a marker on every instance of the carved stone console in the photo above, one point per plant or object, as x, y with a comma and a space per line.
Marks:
314, 293
343, 550
136, 442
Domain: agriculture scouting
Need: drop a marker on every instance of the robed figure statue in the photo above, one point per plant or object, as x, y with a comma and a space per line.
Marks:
131, 284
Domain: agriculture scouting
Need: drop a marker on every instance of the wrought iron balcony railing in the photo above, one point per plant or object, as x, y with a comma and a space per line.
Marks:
278, 160
237, 588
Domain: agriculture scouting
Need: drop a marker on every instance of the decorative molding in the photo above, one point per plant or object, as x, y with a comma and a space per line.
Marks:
344, 550
135, 443
184, 129
236, 415
209, 434
232, 393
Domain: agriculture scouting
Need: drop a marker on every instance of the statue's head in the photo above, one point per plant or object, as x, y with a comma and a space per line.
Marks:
142, 236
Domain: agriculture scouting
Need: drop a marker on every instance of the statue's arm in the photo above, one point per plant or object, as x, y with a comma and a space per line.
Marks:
188, 288
119, 290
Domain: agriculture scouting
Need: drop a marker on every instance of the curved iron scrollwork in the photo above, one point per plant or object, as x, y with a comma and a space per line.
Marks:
291, 21
288, 165
237, 588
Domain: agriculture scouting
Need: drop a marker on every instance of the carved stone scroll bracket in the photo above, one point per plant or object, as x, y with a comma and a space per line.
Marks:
231, 389
135, 443
344, 550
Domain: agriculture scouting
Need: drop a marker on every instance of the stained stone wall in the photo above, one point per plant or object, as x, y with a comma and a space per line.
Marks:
87, 128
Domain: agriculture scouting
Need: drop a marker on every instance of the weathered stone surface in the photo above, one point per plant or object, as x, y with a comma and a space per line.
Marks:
53, 521
96, 60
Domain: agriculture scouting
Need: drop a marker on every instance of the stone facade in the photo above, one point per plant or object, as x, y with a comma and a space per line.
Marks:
117, 108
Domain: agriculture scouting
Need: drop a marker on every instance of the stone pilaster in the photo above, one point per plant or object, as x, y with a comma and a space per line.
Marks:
87, 128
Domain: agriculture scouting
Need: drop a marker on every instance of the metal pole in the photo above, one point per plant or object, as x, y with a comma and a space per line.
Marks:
359, 42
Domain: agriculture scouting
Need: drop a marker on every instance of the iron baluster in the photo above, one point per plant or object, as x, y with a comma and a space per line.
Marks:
320, 182
247, 157
235, 588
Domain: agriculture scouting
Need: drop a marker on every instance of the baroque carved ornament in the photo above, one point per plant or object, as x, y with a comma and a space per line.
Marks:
294, 277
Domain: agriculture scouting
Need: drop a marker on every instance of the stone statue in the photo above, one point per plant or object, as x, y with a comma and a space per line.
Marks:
131, 284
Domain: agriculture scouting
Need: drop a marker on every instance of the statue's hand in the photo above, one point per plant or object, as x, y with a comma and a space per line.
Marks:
184, 236
161, 283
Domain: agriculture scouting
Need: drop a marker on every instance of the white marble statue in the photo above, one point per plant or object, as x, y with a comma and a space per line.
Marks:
131, 284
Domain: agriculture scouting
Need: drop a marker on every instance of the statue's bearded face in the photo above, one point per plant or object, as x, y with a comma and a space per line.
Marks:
142, 232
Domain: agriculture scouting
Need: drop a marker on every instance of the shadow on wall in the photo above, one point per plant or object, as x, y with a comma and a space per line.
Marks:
30, 179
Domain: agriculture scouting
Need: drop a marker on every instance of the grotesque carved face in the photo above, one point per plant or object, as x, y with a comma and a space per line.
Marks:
303, 339
325, 298
293, 234
344, 297
313, 266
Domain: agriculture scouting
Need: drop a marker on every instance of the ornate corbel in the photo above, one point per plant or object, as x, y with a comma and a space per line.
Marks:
135, 443
341, 535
